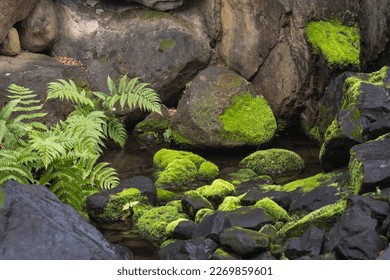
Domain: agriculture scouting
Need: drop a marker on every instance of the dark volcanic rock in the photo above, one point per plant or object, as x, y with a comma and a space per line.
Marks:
354, 236
317, 198
284, 199
192, 201
195, 249
212, 226
249, 218
309, 244
380, 210
184, 230
34, 224
385, 255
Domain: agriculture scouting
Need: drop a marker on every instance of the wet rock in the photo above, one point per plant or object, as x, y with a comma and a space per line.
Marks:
264, 256
317, 198
221, 254
309, 244
354, 236
195, 249
368, 165
162, 5
39, 30
244, 242
192, 201
11, 43
212, 226
221, 110
184, 230
249, 218
34, 224
380, 210
284, 199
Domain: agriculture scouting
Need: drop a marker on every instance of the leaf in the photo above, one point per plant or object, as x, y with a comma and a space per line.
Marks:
111, 86
48, 148
116, 131
62, 89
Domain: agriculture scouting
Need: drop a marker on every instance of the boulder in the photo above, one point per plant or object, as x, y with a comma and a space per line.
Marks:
195, 249
354, 236
368, 165
380, 210
212, 226
385, 255
183, 229
161, 5
192, 202
220, 109
11, 43
221, 254
34, 224
309, 244
34, 71
249, 217
217, 191
39, 30
315, 199
282, 198
156, 46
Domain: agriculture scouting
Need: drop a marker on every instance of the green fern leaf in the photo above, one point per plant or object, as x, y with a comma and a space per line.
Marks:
8, 109
122, 84
19, 90
63, 89
48, 148
116, 131
104, 177
101, 95
17, 170
111, 86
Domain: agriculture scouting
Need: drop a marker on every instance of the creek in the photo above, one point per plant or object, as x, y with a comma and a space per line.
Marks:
137, 159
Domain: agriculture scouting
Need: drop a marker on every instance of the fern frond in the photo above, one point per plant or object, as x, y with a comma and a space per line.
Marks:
111, 86
19, 91
104, 177
62, 89
48, 148
116, 131
8, 109
8, 167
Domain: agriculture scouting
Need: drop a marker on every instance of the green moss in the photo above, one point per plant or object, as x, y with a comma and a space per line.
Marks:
177, 173
277, 163
379, 76
167, 44
248, 120
217, 191
269, 230
273, 209
120, 206
164, 195
208, 171
154, 15
153, 223
339, 44
247, 174
139, 209
198, 199
175, 203
322, 218
167, 242
332, 132
222, 254
201, 214
230, 203
310, 183
172, 225
355, 167
165, 156
181, 140
152, 124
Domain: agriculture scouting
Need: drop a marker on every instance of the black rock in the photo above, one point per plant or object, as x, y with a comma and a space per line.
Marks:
221, 254
195, 249
380, 210
244, 242
212, 226
249, 217
184, 230
266, 256
34, 224
284, 199
315, 199
192, 202
377, 128
308, 245
354, 236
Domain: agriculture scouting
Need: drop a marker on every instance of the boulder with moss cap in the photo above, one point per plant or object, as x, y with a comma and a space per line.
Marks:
273, 209
221, 109
217, 191
192, 201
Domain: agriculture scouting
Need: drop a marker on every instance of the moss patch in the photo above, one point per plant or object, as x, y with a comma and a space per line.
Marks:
310, 183
164, 195
322, 218
208, 171
172, 225
177, 173
339, 44
355, 167
273, 209
230, 203
217, 191
164, 156
248, 120
201, 214
167, 44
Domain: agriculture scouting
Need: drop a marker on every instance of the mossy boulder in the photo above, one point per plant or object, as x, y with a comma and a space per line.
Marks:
310, 183
322, 218
153, 223
164, 196
271, 208
192, 201
164, 156
230, 203
208, 171
279, 164
221, 109
217, 191
178, 172
202, 213
338, 43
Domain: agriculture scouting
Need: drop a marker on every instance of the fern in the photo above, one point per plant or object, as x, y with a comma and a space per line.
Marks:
11, 167
116, 130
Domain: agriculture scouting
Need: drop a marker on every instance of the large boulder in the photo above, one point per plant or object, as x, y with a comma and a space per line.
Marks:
221, 109
34, 224
34, 71
11, 43
158, 47
39, 30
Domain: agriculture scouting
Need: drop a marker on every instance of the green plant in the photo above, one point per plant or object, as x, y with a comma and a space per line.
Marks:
65, 156
167, 135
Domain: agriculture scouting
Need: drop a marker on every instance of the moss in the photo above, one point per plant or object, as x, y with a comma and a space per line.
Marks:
310, 183
164, 156
273, 209
175, 203
178, 172
120, 206
201, 214
217, 191
139, 209
198, 199
269, 230
332, 132
246, 174
164, 195
355, 167
322, 218
167, 44
339, 44
277, 163
230, 203
152, 224
154, 125
154, 15
248, 120
379, 76
167, 242
222, 254
208, 171
172, 225
181, 140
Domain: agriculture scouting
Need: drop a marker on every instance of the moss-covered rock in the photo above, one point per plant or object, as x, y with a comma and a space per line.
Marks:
217, 191
246, 174
310, 183
221, 254
280, 164
230, 203
153, 223
338, 43
172, 225
165, 156
201, 214
192, 201
177, 173
322, 218
164, 196
208, 171
273, 209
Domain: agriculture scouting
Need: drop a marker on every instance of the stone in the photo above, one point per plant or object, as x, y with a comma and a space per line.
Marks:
195, 249
11, 43
315, 199
221, 254
283, 198
385, 255
249, 217
113, 43
368, 165
354, 236
212, 226
184, 230
221, 110
34, 224
39, 30
161, 5
309, 244
35, 71
192, 202
217, 191
378, 209
244, 242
